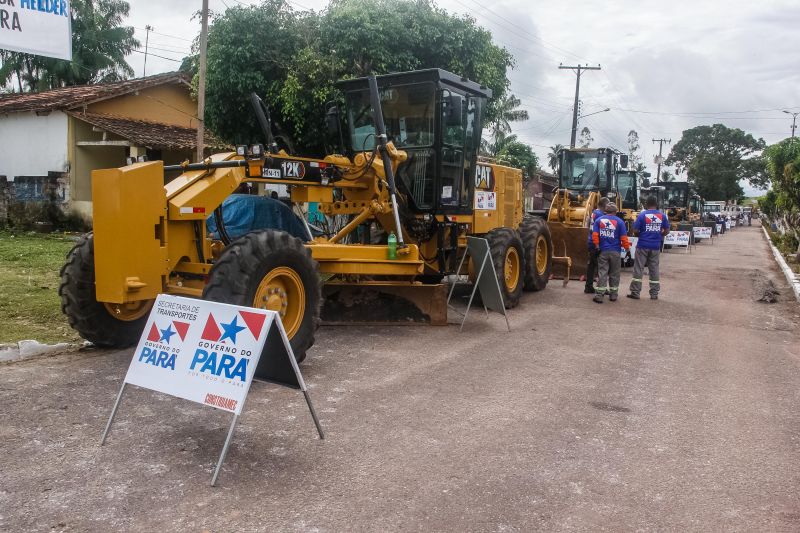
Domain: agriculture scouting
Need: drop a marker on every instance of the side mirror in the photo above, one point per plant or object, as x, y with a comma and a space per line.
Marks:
332, 121
452, 109
623, 161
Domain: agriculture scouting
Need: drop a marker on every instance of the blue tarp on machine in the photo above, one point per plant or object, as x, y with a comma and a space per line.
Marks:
243, 213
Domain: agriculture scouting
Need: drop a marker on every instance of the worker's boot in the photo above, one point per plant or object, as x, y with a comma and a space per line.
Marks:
598, 298
612, 297
588, 289
633, 296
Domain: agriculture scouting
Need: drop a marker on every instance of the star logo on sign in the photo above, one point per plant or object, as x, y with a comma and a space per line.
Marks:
166, 334
231, 329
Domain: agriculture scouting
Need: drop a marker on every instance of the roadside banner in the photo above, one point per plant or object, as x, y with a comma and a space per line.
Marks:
210, 353
679, 239
702, 232
628, 256
41, 27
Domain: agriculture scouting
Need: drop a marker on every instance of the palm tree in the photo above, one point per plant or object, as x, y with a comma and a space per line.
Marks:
499, 142
507, 112
552, 157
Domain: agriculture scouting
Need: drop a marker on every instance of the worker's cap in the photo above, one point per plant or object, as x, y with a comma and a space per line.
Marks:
611, 207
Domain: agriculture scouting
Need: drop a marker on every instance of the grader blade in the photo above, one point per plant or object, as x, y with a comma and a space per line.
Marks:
570, 241
384, 304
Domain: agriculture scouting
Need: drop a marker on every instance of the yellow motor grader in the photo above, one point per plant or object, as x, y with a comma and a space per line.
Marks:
410, 168
584, 176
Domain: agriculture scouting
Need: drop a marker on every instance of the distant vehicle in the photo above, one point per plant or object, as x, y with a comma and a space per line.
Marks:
714, 207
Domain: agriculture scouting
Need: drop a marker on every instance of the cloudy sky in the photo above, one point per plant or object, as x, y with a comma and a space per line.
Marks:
666, 66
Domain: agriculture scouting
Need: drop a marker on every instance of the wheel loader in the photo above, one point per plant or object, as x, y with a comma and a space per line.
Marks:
584, 176
407, 171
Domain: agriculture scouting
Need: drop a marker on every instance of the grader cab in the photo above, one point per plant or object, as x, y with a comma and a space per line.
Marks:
410, 168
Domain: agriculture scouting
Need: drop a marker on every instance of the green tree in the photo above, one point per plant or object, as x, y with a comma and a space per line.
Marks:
100, 43
552, 157
585, 139
498, 144
717, 158
783, 170
633, 149
292, 59
517, 154
507, 111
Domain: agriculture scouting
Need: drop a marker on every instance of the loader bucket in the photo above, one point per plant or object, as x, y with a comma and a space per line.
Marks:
570, 241
384, 304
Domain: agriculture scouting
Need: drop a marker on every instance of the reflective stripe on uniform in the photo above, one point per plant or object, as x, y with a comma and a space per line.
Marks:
637, 279
613, 289
654, 282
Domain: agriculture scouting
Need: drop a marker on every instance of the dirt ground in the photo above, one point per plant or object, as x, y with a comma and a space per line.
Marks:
677, 415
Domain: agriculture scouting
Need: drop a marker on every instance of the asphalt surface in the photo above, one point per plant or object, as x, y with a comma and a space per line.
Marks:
674, 415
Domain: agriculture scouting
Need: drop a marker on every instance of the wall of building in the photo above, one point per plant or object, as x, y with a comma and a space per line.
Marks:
32, 145
87, 158
167, 104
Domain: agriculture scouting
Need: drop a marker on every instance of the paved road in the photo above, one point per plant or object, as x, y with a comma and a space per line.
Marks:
678, 415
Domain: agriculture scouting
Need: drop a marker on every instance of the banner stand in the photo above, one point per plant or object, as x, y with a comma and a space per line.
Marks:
275, 367
478, 248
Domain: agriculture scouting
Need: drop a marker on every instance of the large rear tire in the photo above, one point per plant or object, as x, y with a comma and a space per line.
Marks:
270, 269
102, 324
538, 246
506, 250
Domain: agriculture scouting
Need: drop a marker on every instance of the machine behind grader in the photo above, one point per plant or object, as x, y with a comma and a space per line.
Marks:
584, 176
411, 169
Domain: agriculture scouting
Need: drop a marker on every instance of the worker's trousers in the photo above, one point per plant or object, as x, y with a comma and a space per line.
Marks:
646, 258
608, 266
591, 268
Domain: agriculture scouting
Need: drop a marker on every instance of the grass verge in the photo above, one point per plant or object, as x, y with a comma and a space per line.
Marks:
29, 304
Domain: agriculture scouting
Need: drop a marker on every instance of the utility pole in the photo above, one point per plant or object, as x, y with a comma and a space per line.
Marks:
577, 70
201, 84
660, 158
794, 121
148, 28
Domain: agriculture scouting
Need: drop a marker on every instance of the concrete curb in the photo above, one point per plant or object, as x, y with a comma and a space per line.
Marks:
791, 277
25, 349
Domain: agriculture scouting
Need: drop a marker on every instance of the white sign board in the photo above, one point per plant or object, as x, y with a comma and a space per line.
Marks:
486, 200
719, 228
630, 252
702, 232
205, 352
728, 224
678, 238
41, 27
732, 222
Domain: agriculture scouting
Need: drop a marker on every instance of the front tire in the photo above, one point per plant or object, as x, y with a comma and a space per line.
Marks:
538, 246
102, 324
506, 251
272, 270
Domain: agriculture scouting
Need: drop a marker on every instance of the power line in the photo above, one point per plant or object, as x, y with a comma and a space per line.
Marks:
158, 56
165, 35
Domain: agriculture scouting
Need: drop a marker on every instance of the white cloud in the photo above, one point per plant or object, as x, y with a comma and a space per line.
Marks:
677, 57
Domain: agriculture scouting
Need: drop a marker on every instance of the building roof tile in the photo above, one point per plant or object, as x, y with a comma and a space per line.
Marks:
77, 96
152, 135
